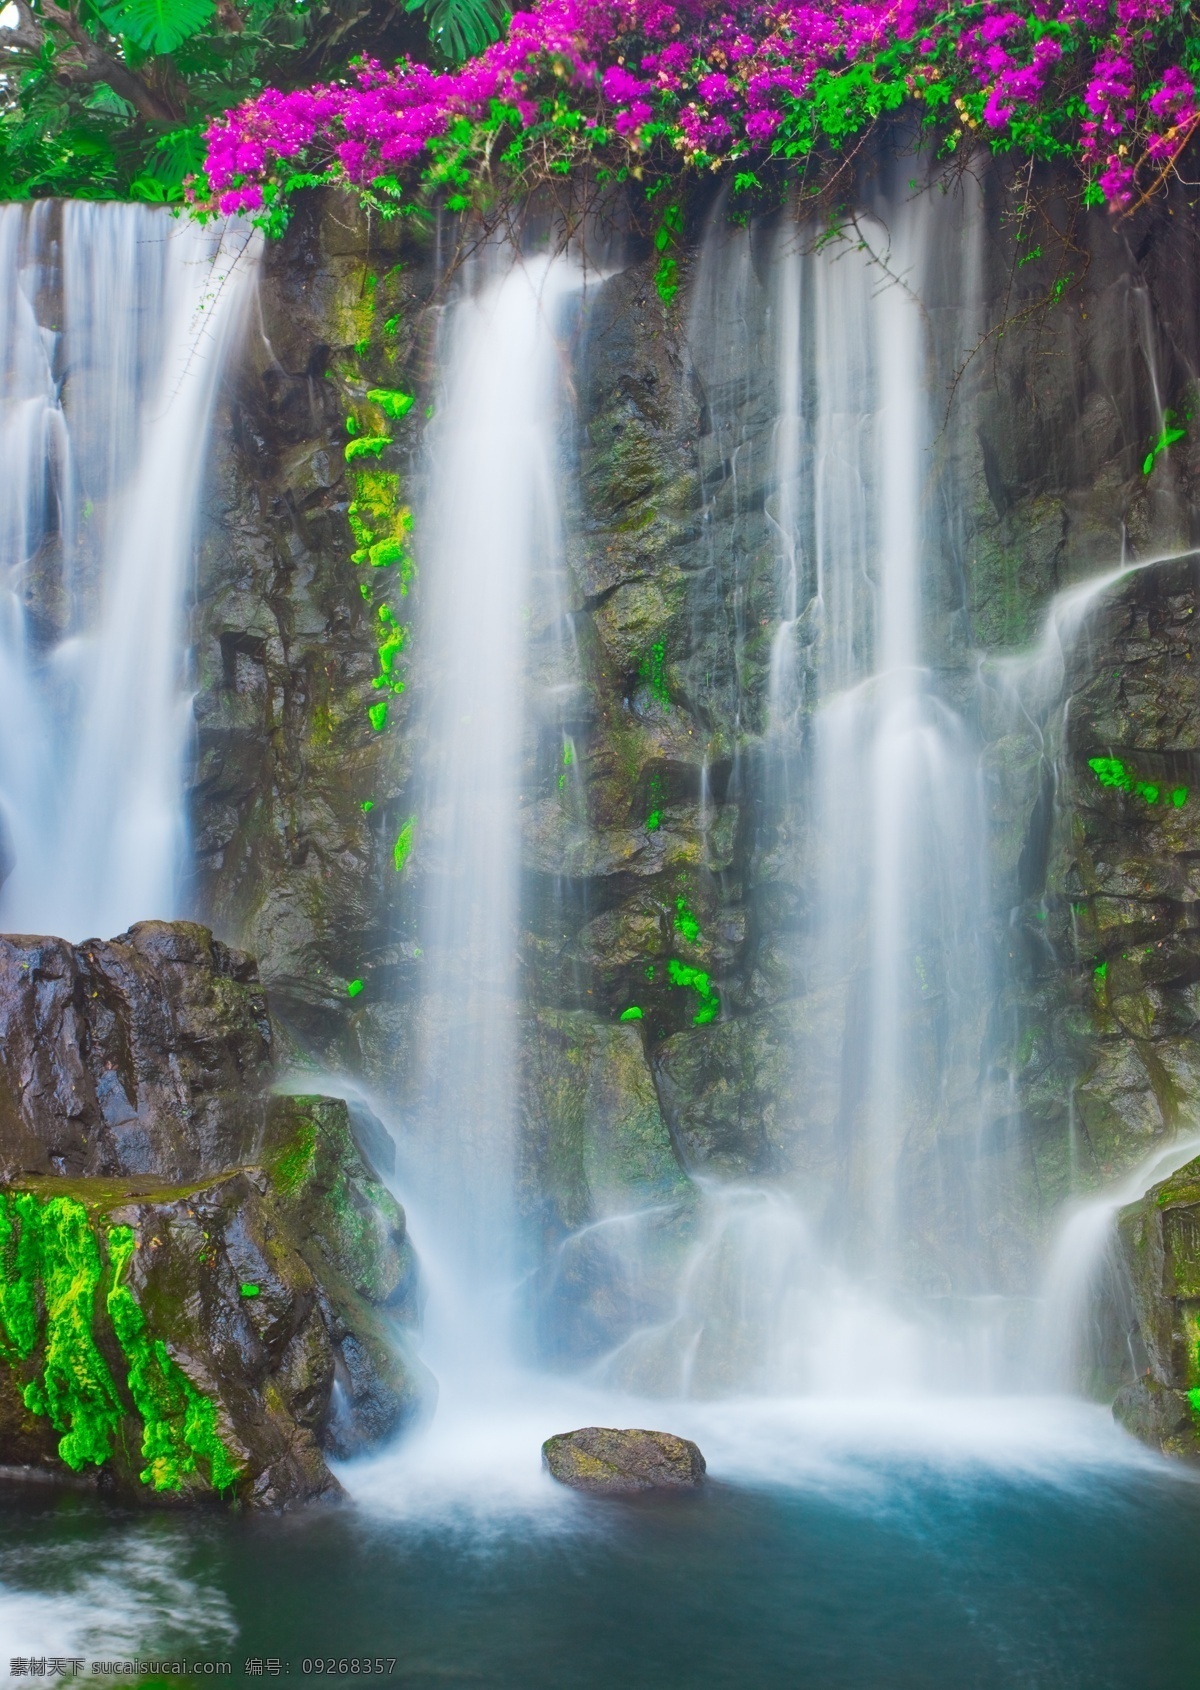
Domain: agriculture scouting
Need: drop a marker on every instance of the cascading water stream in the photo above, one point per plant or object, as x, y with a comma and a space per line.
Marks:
823, 1280
490, 551
115, 323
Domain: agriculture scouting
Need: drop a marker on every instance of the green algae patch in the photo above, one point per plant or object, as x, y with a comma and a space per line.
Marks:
353, 988
248, 1290
377, 715
633, 1013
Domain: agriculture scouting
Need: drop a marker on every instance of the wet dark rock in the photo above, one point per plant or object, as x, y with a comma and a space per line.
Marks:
1158, 1239
149, 1053
246, 1279
620, 1463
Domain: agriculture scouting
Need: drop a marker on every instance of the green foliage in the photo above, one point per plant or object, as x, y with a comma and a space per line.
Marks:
461, 28
175, 65
157, 26
633, 1013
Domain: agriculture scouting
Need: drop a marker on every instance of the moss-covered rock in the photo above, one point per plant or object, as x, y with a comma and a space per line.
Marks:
215, 1339
203, 1287
1159, 1242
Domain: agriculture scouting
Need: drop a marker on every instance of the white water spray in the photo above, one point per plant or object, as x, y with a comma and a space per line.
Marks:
490, 542
115, 323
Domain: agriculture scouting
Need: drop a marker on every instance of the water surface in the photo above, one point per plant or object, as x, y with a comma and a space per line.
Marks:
841, 1547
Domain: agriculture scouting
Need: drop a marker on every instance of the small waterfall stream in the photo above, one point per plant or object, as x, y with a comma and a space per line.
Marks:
491, 550
114, 323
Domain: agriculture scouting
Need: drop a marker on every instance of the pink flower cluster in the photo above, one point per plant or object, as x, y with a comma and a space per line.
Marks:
713, 79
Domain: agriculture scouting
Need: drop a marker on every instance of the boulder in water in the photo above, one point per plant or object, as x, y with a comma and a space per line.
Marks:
619, 1463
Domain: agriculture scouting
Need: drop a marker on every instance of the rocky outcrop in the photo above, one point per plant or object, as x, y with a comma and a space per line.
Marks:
150, 1053
204, 1290
1159, 1245
609, 1462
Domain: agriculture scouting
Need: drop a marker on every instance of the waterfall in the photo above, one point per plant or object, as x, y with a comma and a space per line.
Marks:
489, 555
115, 323
867, 1261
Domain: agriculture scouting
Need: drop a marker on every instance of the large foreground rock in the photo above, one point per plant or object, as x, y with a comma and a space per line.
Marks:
204, 1290
615, 1463
1159, 1240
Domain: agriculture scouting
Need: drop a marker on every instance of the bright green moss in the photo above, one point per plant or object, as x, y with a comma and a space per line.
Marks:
680, 974
377, 715
248, 1290
19, 1271
654, 821
76, 1390
402, 849
652, 670
353, 988
178, 1422
391, 402
1168, 434
1111, 772
686, 924
296, 1163
633, 1013
367, 446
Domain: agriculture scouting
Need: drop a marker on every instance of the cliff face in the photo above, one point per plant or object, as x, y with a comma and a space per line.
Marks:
659, 876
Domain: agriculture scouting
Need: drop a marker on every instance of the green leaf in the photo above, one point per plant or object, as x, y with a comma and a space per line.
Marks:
158, 26
461, 28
